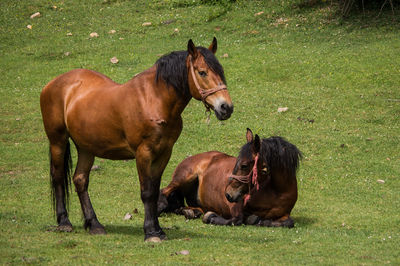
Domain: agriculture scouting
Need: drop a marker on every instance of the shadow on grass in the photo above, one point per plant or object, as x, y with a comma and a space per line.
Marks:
181, 233
172, 233
303, 221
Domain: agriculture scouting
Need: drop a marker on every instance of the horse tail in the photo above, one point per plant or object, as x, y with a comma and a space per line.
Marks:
66, 182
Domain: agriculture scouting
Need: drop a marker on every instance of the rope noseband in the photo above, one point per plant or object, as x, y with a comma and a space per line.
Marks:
252, 178
204, 93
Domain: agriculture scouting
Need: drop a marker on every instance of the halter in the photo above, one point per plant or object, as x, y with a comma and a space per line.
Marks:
246, 179
204, 93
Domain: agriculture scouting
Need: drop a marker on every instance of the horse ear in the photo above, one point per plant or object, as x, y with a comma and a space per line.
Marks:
213, 46
249, 135
256, 144
192, 50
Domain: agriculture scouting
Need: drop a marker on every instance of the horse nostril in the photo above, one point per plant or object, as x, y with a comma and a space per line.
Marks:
226, 108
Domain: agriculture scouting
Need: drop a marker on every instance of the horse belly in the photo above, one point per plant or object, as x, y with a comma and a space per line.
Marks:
93, 125
212, 189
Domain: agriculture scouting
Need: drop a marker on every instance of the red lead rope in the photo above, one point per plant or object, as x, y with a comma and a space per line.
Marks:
246, 179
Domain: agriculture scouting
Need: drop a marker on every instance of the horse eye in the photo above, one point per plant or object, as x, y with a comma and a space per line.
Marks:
202, 74
244, 167
264, 170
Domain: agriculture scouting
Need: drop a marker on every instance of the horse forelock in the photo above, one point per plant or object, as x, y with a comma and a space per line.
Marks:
172, 69
278, 153
212, 62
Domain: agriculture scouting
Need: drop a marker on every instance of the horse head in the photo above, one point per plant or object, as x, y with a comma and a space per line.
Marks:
207, 81
250, 169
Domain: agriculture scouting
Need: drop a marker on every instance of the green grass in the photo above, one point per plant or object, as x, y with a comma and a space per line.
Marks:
342, 74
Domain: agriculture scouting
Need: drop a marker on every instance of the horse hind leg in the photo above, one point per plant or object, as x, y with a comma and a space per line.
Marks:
169, 201
60, 165
81, 182
284, 221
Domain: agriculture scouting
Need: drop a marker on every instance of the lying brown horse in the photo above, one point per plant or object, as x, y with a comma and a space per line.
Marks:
139, 119
258, 187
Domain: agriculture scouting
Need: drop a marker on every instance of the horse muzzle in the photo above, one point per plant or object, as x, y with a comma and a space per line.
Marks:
223, 110
234, 197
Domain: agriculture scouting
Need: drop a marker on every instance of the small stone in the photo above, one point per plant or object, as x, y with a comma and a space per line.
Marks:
35, 15
259, 13
145, 24
176, 30
68, 54
167, 22
380, 181
94, 34
225, 55
69, 34
182, 252
29, 27
112, 31
114, 60
282, 109
95, 167
128, 216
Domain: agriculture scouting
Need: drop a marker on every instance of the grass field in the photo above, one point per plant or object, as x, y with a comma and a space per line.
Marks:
339, 78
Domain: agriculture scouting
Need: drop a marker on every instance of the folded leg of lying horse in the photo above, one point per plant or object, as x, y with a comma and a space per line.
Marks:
285, 221
213, 218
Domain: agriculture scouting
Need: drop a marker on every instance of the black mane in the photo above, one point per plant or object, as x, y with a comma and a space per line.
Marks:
172, 69
278, 153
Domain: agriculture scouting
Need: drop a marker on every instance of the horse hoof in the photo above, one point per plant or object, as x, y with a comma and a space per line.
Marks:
188, 213
64, 228
163, 237
153, 239
252, 220
97, 231
207, 217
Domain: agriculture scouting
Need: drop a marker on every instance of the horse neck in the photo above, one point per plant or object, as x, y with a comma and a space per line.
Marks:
166, 96
282, 180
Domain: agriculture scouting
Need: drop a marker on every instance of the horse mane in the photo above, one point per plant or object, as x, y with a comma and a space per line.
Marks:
172, 69
280, 154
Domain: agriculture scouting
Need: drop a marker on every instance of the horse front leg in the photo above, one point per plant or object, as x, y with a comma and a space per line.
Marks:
213, 218
150, 170
236, 211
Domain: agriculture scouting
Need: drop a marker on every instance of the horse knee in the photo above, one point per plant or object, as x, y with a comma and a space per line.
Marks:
81, 183
149, 195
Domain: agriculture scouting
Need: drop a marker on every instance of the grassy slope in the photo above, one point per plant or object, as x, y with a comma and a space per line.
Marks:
344, 75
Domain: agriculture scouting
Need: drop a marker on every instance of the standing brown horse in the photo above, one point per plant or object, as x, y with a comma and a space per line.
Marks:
258, 187
139, 119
